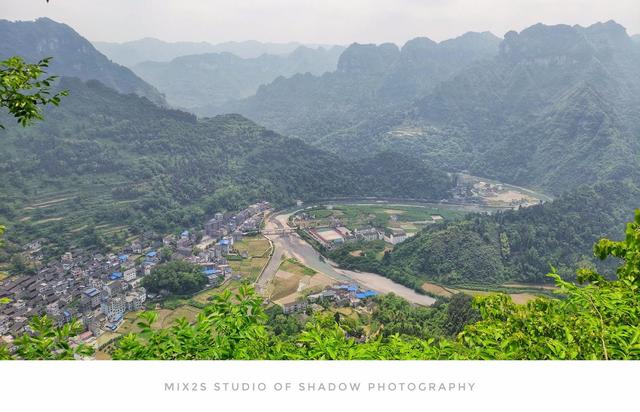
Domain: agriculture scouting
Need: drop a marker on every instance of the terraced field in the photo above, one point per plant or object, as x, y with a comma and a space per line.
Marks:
68, 215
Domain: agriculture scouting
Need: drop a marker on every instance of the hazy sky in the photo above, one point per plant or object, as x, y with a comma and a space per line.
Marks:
314, 21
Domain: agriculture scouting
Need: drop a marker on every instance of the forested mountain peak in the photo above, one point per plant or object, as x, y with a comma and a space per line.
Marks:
73, 55
370, 80
607, 34
569, 42
368, 58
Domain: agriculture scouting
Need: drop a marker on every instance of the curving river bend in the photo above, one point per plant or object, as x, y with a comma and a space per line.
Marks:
296, 247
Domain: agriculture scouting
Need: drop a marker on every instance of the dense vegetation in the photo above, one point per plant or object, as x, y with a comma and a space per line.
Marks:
518, 245
120, 161
370, 80
73, 55
177, 277
104, 158
556, 108
599, 320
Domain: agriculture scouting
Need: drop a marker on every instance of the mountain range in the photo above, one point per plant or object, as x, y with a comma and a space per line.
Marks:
203, 82
370, 80
149, 49
552, 106
556, 107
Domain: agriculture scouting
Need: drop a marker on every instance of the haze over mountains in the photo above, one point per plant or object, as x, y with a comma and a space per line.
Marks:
150, 49
552, 106
370, 80
203, 82
121, 159
555, 107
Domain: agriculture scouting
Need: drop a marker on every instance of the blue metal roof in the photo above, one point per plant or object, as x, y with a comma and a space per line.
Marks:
152, 254
361, 295
352, 288
210, 271
123, 257
116, 275
224, 242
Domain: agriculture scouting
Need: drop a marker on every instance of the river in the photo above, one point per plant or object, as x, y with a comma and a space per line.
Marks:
296, 247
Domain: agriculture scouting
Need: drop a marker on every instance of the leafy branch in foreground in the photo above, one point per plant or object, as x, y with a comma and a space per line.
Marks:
45, 341
23, 89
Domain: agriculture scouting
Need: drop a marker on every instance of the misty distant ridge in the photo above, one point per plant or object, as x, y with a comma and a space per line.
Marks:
151, 49
198, 80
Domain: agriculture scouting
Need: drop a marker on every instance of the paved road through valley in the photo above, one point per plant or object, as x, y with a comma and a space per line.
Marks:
294, 246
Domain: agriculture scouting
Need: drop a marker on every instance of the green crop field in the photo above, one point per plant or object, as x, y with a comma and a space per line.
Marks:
353, 216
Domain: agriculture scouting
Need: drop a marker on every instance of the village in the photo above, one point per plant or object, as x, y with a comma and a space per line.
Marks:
98, 289
337, 295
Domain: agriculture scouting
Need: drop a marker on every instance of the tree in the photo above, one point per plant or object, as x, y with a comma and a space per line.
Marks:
231, 327
23, 89
45, 341
177, 277
460, 312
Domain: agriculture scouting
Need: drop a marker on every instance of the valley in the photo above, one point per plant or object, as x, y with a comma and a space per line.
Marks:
248, 200
354, 214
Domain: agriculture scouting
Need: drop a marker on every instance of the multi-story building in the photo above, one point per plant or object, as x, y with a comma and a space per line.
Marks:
135, 300
90, 298
368, 234
395, 236
213, 226
129, 274
114, 308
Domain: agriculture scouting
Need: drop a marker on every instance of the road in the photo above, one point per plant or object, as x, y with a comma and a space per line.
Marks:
294, 246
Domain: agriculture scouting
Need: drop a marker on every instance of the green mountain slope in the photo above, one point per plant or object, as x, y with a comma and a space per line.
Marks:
73, 55
370, 80
111, 162
519, 245
557, 108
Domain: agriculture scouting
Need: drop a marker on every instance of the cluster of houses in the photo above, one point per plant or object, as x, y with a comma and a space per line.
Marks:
99, 289
340, 295
95, 289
